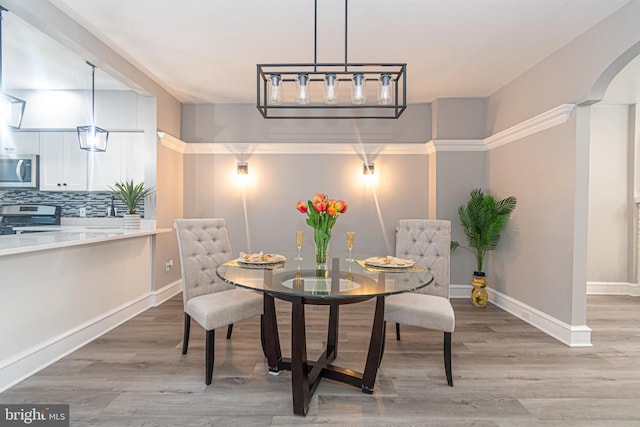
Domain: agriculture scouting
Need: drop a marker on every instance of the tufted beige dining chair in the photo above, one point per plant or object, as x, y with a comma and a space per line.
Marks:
204, 244
427, 242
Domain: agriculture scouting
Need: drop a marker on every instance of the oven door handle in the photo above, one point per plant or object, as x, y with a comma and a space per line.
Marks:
20, 170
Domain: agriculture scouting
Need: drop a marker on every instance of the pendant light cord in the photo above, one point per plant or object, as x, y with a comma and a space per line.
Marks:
93, 94
2, 9
345, 34
315, 34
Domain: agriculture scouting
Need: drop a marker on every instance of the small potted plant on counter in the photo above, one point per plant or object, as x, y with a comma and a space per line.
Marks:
131, 195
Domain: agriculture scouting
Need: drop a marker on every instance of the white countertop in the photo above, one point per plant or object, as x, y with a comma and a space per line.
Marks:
70, 235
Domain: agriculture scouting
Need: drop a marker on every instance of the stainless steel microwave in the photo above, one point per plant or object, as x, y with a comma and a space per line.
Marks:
19, 171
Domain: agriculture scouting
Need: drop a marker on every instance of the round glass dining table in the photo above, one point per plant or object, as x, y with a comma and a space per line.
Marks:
301, 283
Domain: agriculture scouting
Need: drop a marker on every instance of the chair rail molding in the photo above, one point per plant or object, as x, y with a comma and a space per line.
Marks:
554, 117
176, 144
171, 142
439, 145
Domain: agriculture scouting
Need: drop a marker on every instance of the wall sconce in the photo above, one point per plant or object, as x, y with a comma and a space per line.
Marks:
368, 168
242, 168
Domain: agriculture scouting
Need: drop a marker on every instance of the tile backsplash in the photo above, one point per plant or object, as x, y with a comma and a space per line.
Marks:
95, 203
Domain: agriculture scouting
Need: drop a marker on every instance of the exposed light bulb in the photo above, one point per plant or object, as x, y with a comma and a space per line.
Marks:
384, 89
275, 93
303, 89
330, 89
358, 94
92, 140
242, 168
5, 112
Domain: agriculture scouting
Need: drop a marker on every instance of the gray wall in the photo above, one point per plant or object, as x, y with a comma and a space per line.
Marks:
431, 185
534, 260
543, 261
278, 181
459, 118
242, 123
458, 173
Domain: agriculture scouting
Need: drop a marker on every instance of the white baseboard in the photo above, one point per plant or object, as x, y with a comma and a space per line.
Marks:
573, 336
26, 363
460, 291
613, 288
165, 293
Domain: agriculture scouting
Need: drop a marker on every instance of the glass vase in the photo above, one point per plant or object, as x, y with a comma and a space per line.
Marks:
321, 237
321, 260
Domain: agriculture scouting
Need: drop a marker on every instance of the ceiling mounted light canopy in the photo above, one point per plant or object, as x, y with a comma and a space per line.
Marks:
331, 90
91, 137
11, 108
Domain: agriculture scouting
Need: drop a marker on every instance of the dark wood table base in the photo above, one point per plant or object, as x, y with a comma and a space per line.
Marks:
306, 375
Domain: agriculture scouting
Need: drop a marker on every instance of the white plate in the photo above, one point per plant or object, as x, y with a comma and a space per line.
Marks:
277, 260
381, 262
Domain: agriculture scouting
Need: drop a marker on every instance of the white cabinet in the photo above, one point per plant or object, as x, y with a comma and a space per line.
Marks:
134, 157
124, 160
104, 169
14, 143
63, 165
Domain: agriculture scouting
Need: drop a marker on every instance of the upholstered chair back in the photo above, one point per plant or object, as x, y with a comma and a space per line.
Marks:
428, 243
204, 244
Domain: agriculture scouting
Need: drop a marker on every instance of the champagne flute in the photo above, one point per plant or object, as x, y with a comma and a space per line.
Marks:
299, 239
350, 236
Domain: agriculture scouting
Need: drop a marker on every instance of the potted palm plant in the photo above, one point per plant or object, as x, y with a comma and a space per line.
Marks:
483, 218
131, 195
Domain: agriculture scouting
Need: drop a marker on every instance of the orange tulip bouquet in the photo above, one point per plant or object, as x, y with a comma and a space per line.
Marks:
322, 214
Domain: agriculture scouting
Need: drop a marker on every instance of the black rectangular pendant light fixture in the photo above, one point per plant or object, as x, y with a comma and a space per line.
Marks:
331, 90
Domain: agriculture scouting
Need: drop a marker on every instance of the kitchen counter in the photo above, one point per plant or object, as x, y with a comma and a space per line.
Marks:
59, 236
69, 285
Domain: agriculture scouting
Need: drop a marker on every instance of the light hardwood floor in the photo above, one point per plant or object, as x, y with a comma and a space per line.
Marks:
506, 373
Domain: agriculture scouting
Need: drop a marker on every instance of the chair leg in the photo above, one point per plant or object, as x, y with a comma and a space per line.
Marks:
397, 331
229, 331
209, 355
447, 357
187, 328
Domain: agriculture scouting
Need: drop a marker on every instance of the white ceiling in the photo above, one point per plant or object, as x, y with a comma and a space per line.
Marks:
207, 50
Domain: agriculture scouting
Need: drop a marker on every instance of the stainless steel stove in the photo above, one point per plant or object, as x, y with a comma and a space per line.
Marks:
27, 215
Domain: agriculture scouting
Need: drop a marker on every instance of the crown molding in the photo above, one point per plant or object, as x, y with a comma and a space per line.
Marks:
546, 120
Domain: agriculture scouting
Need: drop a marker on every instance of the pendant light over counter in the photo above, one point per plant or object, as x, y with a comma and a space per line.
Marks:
331, 90
11, 108
91, 137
